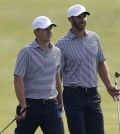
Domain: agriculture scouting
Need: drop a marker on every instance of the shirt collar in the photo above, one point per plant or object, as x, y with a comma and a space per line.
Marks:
72, 35
36, 45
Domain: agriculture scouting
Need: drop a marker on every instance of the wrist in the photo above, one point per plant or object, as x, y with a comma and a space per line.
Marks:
108, 85
23, 106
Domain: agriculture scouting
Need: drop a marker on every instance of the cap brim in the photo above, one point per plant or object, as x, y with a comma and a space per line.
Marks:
87, 13
79, 13
54, 25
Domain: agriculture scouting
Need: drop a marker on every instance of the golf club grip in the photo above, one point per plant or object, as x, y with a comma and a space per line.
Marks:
117, 74
23, 110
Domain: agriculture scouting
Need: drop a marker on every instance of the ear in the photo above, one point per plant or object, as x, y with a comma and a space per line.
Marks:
35, 31
70, 19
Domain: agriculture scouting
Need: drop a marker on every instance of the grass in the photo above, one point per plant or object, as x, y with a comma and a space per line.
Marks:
16, 18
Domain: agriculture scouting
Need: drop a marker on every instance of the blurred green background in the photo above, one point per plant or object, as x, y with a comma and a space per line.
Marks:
15, 31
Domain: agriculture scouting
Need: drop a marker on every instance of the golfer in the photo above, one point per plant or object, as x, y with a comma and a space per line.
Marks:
82, 58
37, 82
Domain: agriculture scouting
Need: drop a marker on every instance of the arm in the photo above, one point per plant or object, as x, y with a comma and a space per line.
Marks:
105, 77
19, 90
59, 89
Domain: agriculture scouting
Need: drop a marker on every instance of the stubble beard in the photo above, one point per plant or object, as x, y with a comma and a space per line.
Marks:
79, 26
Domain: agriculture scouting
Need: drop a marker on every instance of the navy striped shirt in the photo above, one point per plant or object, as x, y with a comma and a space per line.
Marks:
80, 57
39, 70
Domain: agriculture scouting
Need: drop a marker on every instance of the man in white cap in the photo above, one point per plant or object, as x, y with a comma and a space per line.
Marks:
37, 83
82, 58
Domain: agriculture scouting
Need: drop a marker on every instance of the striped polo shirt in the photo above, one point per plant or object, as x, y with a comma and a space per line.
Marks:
80, 57
39, 70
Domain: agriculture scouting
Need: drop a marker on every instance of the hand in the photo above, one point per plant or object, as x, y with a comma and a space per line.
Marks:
62, 109
114, 92
22, 116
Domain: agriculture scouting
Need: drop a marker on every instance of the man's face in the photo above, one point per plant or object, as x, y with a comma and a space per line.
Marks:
44, 34
79, 22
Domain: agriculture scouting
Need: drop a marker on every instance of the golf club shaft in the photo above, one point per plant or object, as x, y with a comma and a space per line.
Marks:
7, 125
14, 119
118, 106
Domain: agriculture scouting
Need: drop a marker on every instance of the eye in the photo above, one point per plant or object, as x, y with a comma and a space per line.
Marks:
84, 15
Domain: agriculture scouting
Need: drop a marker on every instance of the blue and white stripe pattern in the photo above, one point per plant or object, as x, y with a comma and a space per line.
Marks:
80, 57
39, 70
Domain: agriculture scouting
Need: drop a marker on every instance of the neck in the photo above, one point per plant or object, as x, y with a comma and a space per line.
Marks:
79, 33
44, 45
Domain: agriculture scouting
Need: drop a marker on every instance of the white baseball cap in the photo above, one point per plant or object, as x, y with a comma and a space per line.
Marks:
42, 22
76, 10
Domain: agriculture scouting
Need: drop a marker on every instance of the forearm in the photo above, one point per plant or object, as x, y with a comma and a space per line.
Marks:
59, 89
19, 90
104, 74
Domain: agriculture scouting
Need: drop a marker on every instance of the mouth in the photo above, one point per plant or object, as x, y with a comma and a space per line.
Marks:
50, 35
82, 24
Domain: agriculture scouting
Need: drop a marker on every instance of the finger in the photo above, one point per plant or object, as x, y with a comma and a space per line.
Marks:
113, 98
117, 97
114, 93
20, 117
